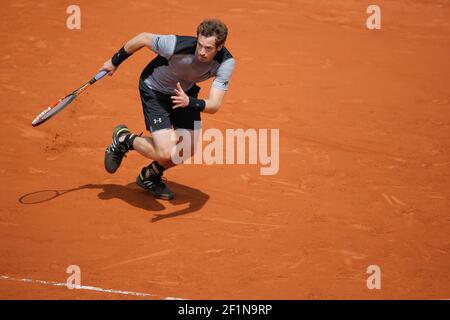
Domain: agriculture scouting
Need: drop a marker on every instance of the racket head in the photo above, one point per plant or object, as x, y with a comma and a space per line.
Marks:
51, 111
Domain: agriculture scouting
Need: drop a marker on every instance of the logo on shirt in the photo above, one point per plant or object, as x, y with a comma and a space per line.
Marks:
159, 120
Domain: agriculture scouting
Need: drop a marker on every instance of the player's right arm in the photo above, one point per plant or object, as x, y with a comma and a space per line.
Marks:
143, 39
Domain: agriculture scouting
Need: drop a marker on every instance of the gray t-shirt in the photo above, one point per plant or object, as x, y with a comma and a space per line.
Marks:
176, 62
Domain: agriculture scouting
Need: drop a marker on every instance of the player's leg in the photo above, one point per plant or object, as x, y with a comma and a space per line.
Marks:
150, 178
186, 121
162, 150
159, 118
187, 139
164, 141
156, 113
158, 146
157, 108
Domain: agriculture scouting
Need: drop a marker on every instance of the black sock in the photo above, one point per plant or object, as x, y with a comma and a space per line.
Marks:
154, 169
128, 139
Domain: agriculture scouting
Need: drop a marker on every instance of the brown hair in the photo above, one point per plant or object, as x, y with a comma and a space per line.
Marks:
213, 27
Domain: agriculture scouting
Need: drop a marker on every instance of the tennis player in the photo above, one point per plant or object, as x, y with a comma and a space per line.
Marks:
169, 96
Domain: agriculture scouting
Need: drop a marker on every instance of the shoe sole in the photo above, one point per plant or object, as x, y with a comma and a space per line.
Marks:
140, 184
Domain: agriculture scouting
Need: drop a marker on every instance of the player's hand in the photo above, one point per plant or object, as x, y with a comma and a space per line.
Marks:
181, 99
108, 66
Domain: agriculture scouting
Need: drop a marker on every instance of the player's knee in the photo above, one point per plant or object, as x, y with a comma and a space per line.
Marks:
165, 154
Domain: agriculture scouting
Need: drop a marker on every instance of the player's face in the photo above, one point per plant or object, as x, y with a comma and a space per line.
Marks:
206, 48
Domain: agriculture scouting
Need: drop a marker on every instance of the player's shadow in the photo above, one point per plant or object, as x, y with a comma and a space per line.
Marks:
134, 196
137, 197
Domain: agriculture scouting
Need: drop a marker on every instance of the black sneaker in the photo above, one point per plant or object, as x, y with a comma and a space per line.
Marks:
155, 185
117, 150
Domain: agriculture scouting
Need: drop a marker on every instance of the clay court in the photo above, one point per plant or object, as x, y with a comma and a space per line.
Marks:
364, 120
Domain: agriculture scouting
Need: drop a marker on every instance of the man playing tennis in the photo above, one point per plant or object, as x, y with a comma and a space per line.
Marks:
169, 96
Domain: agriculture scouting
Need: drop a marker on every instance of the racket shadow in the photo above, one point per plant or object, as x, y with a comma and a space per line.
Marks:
133, 195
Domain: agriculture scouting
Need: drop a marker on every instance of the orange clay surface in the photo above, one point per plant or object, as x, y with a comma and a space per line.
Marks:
364, 119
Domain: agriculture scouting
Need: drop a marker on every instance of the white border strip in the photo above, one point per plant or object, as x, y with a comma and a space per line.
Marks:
89, 288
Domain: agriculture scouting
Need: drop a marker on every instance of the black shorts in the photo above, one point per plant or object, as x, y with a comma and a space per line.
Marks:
159, 113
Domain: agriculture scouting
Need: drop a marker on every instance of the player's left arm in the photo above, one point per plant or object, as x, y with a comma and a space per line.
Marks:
219, 86
214, 101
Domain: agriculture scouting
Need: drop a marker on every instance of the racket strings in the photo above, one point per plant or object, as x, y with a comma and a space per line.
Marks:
51, 111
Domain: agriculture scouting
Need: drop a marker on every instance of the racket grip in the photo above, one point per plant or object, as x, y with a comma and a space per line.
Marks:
100, 75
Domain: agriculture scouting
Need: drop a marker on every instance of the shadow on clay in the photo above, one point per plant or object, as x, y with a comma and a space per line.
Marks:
132, 195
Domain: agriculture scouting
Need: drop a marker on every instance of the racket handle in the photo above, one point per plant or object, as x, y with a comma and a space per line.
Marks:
98, 76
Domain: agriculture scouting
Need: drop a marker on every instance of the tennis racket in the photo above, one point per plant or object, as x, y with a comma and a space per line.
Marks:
64, 102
